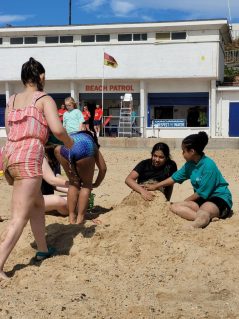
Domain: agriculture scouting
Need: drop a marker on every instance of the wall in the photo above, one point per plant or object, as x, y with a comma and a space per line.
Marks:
224, 97
175, 60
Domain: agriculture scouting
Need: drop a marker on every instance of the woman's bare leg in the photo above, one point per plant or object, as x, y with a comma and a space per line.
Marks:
187, 210
85, 169
74, 185
56, 202
23, 200
206, 212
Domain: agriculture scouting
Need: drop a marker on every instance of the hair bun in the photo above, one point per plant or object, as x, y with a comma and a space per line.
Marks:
203, 137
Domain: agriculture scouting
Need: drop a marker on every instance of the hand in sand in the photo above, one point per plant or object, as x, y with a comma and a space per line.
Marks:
146, 195
151, 187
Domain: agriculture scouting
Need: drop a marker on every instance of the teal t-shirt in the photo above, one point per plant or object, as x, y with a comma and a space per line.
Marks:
206, 179
72, 120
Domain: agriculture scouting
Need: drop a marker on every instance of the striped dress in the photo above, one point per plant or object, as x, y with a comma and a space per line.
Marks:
28, 132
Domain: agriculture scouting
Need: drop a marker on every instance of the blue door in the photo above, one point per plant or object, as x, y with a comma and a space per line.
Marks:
234, 119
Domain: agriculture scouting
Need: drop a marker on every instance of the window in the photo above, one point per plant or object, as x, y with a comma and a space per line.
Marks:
140, 37
66, 39
54, 39
178, 35
102, 38
16, 40
163, 36
0, 41
125, 37
87, 38
30, 40
167, 36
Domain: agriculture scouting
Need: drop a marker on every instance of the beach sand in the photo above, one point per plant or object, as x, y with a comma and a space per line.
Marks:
139, 263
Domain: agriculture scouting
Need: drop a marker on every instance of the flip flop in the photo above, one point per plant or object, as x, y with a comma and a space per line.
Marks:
41, 255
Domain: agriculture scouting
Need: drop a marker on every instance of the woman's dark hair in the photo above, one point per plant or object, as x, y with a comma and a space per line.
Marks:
31, 71
196, 142
163, 148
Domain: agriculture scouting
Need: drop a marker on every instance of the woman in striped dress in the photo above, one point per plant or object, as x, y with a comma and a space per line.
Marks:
28, 115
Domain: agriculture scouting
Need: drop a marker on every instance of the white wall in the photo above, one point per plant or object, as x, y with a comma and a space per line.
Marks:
179, 85
178, 60
224, 97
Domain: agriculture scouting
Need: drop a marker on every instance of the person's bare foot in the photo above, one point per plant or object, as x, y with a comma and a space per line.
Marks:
72, 218
80, 219
3, 276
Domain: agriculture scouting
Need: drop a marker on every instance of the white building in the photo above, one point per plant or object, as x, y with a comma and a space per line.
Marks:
171, 69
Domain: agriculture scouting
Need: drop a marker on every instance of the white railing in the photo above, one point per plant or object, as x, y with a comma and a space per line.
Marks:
110, 126
232, 56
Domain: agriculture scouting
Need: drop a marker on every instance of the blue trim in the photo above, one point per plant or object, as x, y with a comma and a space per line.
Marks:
2, 109
176, 99
233, 119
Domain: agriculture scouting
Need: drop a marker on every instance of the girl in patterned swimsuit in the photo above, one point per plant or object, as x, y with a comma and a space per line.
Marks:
28, 115
79, 164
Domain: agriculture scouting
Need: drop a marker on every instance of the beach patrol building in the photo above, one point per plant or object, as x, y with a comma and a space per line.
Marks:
172, 69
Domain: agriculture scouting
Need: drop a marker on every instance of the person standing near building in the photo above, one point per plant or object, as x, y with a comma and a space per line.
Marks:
72, 118
61, 111
97, 119
87, 115
27, 117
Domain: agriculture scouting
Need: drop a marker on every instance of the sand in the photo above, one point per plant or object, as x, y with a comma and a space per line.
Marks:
139, 263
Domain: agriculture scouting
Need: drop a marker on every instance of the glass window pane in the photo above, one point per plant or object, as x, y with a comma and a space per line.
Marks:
144, 36
124, 37
87, 38
66, 39
102, 38
178, 35
0, 40
136, 37
52, 39
16, 40
30, 40
163, 36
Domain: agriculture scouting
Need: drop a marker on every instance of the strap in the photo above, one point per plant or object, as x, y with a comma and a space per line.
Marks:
37, 96
11, 101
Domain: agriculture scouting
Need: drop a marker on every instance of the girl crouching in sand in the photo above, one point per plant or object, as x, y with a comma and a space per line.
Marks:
155, 169
211, 197
79, 165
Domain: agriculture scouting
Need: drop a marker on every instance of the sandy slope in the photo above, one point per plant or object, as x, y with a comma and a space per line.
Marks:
139, 263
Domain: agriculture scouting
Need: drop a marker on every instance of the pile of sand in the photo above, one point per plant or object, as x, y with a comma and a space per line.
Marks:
139, 263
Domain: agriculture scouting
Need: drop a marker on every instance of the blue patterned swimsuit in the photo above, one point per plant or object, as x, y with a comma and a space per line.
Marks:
84, 146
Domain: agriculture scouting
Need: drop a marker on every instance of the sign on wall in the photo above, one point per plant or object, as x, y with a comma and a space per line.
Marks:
170, 123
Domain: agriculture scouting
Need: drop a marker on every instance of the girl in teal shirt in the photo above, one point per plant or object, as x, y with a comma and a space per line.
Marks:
211, 197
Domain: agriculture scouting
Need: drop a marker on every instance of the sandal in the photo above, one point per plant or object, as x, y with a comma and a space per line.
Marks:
41, 255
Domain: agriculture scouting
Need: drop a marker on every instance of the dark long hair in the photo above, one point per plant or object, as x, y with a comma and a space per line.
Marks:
196, 142
163, 148
31, 71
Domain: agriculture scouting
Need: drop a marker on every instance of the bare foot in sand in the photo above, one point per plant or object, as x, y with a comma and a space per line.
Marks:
72, 218
3, 276
80, 219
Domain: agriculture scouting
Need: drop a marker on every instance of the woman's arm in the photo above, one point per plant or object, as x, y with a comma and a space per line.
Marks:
50, 177
100, 162
167, 182
54, 122
131, 181
193, 197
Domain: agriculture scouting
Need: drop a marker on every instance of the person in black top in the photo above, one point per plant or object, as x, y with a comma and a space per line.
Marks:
154, 169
